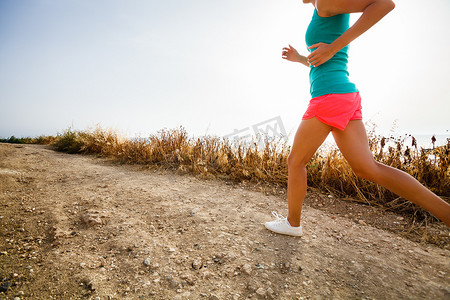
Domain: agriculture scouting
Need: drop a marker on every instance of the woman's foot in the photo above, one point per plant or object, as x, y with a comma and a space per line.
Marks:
281, 225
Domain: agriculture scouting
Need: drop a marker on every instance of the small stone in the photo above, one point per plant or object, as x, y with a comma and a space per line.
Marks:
92, 218
147, 261
261, 292
197, 264
361, 222
247, 268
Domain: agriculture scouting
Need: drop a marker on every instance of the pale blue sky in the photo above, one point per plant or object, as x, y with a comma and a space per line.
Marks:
210, 66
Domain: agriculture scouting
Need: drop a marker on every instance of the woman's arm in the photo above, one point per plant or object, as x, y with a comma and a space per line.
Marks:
372, 12
292, 55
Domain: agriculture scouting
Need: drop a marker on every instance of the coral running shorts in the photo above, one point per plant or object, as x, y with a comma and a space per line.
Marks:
335, 109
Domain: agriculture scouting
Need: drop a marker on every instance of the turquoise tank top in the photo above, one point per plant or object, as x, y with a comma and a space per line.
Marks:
332, 76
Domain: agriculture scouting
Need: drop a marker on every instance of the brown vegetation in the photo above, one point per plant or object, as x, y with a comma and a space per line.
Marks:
211, 156
328, 171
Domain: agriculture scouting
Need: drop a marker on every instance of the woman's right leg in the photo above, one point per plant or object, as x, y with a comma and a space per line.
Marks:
354, 145
310, 134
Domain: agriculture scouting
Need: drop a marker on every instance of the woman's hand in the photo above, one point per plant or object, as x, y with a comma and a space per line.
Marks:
292, 55
322, 54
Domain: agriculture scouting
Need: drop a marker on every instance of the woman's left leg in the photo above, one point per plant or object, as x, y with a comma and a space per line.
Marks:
353, 144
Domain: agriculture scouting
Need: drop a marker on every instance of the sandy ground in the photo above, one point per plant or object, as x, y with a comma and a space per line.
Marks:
80, 227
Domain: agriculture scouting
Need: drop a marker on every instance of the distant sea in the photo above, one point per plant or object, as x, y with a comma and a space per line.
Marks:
424, 140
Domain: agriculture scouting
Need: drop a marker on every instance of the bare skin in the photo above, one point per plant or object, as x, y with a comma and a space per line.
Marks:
352, 142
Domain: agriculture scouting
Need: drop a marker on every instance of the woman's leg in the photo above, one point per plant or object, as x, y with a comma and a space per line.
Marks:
353, 144
309, 136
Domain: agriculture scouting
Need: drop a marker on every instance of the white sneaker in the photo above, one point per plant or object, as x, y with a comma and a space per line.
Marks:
281, 225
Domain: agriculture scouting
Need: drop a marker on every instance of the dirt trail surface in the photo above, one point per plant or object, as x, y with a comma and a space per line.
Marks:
79, 227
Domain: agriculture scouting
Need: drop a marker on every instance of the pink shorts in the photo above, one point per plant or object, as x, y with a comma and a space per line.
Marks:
335, 109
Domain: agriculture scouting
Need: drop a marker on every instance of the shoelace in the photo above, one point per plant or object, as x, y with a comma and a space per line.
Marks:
280, 218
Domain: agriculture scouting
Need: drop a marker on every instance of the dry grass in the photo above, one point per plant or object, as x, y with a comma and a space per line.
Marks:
42, 140
212, 156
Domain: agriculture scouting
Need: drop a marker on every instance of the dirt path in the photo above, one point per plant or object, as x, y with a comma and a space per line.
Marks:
78, 227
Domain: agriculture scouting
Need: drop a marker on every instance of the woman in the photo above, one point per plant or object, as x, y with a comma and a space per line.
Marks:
336, 106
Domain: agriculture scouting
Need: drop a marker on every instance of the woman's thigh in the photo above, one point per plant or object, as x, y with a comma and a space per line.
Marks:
309, 136
354, 146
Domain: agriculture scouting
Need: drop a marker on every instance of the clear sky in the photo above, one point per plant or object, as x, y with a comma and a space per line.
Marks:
211, 66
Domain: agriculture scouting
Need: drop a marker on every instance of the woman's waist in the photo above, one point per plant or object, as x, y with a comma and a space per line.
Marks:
333, 74
332, 87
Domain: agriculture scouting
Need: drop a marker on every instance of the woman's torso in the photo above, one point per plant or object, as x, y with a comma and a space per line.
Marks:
332, 76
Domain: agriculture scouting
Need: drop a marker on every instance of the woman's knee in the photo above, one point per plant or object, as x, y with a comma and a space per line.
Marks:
367, 171
296, 161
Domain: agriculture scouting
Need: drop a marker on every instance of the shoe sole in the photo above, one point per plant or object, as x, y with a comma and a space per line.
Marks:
285, 233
